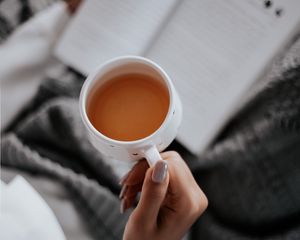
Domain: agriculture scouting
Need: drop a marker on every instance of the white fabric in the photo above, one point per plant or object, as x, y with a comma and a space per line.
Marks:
26, 55
25, 215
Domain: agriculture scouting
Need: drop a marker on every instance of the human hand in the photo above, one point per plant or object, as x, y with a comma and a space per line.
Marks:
170, 200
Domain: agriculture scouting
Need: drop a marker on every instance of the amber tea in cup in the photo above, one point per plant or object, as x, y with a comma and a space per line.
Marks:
128, 107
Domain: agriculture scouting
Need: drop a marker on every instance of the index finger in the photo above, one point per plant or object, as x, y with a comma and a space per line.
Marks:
137, 174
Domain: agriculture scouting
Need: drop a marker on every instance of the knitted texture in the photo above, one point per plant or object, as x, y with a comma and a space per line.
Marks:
251, 175
98, 205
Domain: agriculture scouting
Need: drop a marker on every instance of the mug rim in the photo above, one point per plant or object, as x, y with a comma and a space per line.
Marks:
93, 76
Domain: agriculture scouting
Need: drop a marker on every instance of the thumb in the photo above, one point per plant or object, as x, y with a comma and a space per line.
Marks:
153, 192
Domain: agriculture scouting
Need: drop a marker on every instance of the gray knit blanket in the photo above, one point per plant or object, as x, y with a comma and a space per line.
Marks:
251, 173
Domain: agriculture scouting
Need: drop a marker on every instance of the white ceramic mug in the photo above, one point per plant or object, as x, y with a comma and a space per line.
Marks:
150, 146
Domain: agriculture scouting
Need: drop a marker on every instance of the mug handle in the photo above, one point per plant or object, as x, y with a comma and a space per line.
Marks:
152, 155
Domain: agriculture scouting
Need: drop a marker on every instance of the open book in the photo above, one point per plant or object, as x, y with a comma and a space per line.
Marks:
214, 50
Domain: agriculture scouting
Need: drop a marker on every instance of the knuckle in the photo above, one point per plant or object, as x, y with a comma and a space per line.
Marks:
137, 219
171, 155
175, 155
198, 203
204, 202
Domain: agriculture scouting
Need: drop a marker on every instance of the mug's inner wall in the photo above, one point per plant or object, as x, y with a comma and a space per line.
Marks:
111, 71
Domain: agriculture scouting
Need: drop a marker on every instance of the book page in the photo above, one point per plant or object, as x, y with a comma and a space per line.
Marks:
103, 29
214, 50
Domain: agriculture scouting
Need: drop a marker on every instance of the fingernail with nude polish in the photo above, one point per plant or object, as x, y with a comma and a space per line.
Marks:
122, 206
123, 191
160, 171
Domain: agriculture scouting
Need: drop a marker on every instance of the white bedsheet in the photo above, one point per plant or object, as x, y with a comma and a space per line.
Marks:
25, 215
